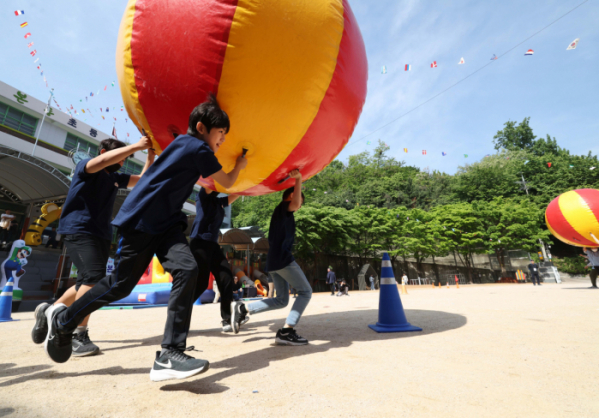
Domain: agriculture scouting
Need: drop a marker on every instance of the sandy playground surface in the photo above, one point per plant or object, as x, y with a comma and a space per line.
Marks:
486, 351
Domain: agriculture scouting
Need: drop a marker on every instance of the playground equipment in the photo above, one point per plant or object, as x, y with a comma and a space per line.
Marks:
155, 274
154, 287
391, 314
572, 217
50, 213
240, 274
293, 70
260, 289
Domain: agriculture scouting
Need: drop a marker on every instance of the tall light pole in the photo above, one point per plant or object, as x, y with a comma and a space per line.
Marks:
523, 184
42, 124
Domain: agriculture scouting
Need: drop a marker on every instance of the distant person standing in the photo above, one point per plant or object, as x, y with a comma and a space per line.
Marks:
533, 268
592, 254
331, 279
372, 282
5, 221
52, 239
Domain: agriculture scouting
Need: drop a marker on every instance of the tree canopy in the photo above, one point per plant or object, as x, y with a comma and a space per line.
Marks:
375, 202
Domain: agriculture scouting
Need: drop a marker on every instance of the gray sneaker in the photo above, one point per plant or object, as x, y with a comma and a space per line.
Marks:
226, 326
174, 364
83, 346
40, 329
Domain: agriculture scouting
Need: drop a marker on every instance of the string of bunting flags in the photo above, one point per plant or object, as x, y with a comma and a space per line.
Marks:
408, 67
68, 110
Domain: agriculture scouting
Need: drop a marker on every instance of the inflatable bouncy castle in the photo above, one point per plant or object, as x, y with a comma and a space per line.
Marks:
291, 74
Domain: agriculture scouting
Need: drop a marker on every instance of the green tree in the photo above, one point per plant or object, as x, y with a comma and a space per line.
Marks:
322, 231
464, 231
511, 225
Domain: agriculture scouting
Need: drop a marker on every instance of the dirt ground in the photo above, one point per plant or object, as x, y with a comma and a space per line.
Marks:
486, 351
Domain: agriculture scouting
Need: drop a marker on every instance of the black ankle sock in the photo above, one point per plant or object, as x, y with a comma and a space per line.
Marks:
243, 310
286, 330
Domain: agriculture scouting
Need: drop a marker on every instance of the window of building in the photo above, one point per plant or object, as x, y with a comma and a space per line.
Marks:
131, 167
74, 142
17, 120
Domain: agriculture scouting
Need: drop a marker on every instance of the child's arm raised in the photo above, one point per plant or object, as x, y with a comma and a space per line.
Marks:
296, 201
115, 156
228, 179
149, 161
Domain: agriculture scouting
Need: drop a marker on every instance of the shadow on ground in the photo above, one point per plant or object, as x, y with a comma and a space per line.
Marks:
327, 331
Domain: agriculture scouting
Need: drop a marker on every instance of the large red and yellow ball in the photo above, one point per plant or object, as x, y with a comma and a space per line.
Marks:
291, 74
573, 217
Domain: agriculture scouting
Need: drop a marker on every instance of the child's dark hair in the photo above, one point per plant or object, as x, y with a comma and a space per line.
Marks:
110, 144
288, 192
210, 114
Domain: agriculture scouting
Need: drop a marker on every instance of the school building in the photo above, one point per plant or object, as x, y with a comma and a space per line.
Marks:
29, 178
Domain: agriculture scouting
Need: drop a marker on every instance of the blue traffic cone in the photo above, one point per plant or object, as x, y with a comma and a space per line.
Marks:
391, 315
6, 301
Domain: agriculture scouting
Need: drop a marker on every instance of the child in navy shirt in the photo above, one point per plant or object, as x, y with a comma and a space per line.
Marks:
283, 269
151, 221
210, 212
85, 225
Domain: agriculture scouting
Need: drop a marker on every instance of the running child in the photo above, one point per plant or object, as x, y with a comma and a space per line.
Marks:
151, 221
284, 270
210, 212
85, 225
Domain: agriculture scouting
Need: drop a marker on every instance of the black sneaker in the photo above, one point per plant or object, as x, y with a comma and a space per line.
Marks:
174, 364
237, 318
289, 338
82, 346
40, 329
57, 344
226, 326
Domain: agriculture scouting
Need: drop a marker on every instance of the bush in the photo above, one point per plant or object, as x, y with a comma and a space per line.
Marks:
571, 265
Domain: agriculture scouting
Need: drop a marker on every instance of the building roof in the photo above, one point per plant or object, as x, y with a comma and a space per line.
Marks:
29, 178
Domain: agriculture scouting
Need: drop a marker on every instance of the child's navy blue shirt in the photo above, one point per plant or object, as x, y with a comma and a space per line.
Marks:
281, 235
89, 203
210, 212
156, 202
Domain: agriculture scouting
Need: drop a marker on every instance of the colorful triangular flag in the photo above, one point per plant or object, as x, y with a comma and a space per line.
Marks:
405, 150
494, 57
529, 52
462, 61
444, 154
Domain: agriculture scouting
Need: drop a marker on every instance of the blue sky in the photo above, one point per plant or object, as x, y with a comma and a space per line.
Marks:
558, 89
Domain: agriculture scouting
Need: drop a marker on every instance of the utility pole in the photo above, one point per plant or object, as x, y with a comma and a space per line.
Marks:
42, 124
523, 184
